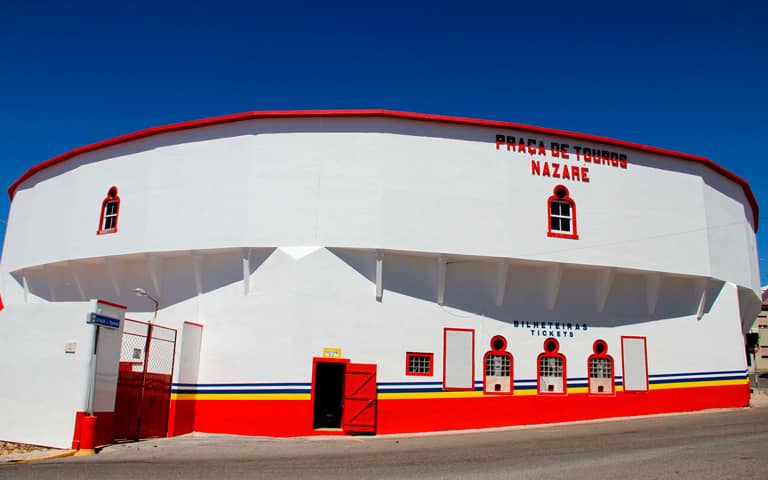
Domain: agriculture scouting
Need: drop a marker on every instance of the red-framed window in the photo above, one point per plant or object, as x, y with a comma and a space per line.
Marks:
561, 214
419, 364
498, 368
110, 209
551, 376
600, 369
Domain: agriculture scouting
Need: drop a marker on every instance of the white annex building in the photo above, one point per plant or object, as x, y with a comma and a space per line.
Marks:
369, 271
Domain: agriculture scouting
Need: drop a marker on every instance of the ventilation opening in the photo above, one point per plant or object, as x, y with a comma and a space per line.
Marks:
600, 347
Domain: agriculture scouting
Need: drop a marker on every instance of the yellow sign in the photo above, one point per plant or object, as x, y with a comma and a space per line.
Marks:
332, 352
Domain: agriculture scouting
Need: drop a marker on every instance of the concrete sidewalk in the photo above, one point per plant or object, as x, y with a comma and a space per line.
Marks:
759, 396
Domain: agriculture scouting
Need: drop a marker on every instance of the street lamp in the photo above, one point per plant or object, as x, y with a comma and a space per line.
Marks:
143, 293
147, 346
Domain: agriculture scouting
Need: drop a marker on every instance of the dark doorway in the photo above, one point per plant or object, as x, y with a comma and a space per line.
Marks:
329, 394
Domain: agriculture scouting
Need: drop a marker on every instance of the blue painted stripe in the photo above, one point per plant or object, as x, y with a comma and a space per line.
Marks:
696, 379
416, 387
233, 391
724, 372
409, 390
284, 384
409, 383
689, 380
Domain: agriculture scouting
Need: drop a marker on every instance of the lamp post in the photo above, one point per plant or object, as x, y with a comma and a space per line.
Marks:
143, 293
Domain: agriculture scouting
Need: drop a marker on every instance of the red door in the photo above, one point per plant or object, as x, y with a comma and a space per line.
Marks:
359, 399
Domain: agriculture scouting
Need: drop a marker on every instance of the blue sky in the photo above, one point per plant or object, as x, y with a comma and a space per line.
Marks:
688, 77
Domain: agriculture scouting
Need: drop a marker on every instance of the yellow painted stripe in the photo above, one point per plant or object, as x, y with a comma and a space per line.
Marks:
525, 393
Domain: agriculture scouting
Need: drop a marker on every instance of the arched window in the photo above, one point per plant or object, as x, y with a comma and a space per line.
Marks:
561, 214
552, 371
600, 367
498, 367
110, 209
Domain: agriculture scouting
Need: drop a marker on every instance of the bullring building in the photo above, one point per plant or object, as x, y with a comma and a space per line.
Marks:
369, 271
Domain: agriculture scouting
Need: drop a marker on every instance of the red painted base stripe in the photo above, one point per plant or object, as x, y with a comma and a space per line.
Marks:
281, 418
78, 428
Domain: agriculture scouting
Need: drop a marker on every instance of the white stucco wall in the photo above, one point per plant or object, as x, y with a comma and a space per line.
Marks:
378, 183
42, 386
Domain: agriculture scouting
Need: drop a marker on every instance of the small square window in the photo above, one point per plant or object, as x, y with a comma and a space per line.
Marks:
419, 364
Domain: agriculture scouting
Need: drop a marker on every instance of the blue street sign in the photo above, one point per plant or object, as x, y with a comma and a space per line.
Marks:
103, 321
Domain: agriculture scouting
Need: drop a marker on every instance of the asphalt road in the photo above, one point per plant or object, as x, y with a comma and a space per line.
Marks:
711, 445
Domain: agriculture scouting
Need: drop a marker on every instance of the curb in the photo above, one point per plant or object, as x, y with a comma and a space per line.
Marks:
68, 453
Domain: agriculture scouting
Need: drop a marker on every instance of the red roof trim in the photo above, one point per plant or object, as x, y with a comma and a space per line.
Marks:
390, 114
112, 304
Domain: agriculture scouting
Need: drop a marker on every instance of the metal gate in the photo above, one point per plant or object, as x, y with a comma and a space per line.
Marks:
144, 381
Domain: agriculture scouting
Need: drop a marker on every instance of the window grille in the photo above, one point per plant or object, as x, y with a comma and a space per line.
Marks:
419, 364
600, 368
551, 367
497, 366
560, 216
110, 215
